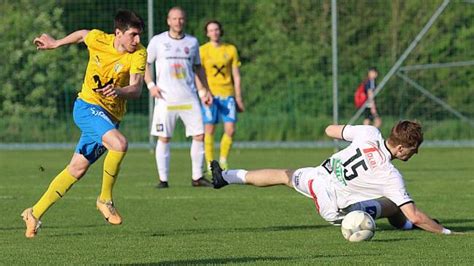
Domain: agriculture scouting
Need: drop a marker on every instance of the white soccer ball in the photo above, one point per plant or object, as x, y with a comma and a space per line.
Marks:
358, 226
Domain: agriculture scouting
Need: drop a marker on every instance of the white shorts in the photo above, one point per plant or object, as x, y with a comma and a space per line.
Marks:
165, 116
314, 182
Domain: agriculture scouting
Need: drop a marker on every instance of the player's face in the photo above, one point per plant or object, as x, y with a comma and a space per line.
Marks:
213, 32
130, 39
176, 20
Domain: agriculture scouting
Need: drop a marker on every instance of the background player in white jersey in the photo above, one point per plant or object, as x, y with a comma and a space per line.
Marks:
176, 58
360, 176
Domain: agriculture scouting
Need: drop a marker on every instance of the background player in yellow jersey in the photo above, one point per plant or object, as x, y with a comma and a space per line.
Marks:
221, 62
114, 74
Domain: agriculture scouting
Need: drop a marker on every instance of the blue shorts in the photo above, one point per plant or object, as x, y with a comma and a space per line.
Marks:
222, 109
94, 122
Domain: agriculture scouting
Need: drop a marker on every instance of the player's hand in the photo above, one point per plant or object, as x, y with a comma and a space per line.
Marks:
240, 104
155, 92
206, 97
109, 91
45, 42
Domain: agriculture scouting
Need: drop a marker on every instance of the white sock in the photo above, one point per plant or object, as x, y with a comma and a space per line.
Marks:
162, 154
197, 158
408, 225
234, 176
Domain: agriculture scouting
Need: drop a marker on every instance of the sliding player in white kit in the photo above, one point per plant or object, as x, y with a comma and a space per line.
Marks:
176, 58
359, 177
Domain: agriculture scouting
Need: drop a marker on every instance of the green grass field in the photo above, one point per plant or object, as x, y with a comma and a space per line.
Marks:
236, 225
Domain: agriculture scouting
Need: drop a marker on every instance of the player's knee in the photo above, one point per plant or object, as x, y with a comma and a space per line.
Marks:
164, 140
229, 131
199, 137
122, 144
77, 171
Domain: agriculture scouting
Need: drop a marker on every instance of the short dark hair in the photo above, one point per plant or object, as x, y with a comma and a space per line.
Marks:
213, 21
125, 19
409, 134
373, 69
177, 8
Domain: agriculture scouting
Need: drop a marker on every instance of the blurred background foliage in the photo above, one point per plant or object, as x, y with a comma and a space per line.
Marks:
285, 49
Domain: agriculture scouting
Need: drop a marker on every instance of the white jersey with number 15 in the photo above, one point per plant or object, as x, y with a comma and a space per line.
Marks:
364, 169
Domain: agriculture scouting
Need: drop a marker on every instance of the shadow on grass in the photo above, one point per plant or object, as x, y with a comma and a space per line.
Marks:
391, 240
239, 230
14, 228
252, 260
222, 260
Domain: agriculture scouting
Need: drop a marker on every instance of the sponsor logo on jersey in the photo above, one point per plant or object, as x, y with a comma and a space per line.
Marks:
178, 71
118, 67
338, 170
372, 152
97, 60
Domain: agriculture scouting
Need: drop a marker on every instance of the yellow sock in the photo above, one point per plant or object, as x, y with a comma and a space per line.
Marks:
111, 169
226, 144
56, 190
209, 147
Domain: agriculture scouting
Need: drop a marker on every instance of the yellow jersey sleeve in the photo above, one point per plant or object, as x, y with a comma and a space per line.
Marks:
138, 63
235, 56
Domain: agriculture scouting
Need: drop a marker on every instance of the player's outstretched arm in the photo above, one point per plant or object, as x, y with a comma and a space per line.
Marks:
46, 42
420, 219
334, 131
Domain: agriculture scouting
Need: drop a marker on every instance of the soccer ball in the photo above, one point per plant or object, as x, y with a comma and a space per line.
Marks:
358, 226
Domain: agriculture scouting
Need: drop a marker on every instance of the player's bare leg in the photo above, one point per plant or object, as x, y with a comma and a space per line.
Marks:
269, 177
259, 178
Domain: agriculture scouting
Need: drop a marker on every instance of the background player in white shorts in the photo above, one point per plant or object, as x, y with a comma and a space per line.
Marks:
360, 176
176, 58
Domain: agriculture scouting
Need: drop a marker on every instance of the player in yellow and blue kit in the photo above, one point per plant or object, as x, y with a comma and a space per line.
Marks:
114, 74
221, 62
